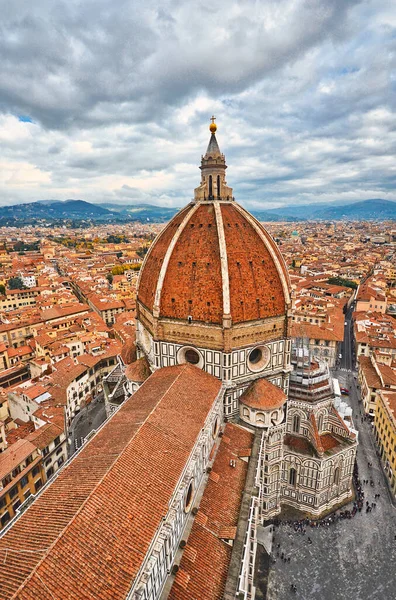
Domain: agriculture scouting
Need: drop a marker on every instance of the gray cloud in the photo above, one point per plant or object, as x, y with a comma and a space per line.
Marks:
120, 94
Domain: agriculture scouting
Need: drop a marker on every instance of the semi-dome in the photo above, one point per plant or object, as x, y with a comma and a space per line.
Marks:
214, 262
263, 395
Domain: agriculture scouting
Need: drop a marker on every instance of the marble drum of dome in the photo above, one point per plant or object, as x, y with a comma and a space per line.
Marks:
214, 289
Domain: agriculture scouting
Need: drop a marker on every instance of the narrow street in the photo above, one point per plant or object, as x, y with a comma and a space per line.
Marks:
347, 351
89, 418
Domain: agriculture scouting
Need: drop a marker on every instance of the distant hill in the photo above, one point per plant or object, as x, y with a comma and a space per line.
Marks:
54, 211
142, 212
374, 208
266, 215
366, 210
84, 213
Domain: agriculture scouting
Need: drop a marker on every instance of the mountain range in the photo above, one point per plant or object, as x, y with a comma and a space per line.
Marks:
58, 211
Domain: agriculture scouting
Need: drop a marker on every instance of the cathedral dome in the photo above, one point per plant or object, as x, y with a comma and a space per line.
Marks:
214, 262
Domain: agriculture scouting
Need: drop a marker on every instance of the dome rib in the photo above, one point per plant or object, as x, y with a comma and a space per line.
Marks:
224, 265
152, 263
266, 239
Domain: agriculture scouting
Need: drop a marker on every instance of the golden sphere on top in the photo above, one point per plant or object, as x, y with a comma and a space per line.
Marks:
213, 126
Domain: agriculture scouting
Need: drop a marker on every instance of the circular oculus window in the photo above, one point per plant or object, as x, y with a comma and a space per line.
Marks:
190, 355
258, 358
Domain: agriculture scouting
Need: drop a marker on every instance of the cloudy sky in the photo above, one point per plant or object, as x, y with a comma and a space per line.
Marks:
109, 101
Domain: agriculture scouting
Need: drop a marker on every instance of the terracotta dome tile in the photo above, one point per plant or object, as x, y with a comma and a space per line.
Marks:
255, 285
152, 266
264, 395
193, 280
193, 283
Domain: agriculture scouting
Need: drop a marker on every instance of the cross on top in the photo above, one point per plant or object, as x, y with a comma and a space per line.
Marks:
213, 118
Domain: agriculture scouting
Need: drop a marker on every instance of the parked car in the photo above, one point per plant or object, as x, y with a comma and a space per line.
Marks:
344, 391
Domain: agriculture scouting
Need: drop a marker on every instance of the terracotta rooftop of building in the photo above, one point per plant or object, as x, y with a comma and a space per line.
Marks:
113, 495
206, 558
262, 394
370, 374
138, 371
14, 455
43, 436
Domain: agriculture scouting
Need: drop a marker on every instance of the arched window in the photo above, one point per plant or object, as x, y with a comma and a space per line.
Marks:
260, 417
292, 476
210, 187
336, 480
189, 497
245, 412
296, 423
218, 186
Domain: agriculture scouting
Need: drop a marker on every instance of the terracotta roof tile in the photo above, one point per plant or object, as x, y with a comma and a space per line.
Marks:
220, 503
113, 495
262, 394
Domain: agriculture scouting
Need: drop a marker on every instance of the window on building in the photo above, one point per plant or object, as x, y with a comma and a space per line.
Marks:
216, 425
50, 472
6, 480
5, 518
260, 417
296, 423
336, 480
38, 484
189, 496
255, 356
292, 476
13, 491
24, 481
320, 423
57, 441
192, 357
36, 471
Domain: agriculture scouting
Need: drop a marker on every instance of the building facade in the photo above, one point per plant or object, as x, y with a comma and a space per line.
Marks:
385, 434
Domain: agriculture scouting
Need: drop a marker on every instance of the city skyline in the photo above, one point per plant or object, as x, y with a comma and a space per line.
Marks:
112, 104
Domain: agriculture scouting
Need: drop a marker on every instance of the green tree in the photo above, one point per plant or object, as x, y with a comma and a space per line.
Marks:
142, 251
343, 282
2, 289
15, 283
